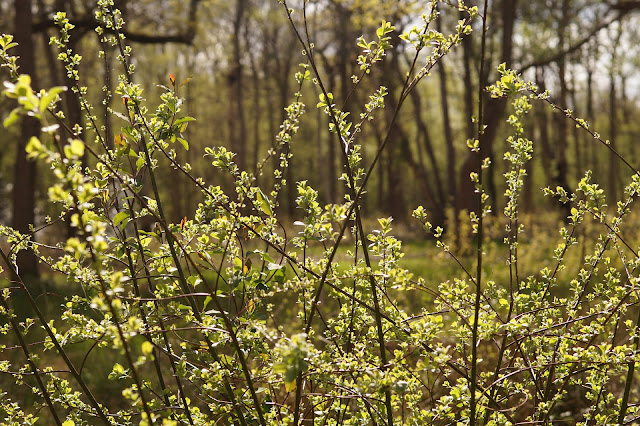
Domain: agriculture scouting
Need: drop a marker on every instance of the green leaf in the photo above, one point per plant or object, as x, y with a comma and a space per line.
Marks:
118, 372
146, 347
263, 203
14, 115
290, 385
49, 97
184, 143
194, 280
206, 302
34, 147
279, 275
183, 120
120, 217
77, 148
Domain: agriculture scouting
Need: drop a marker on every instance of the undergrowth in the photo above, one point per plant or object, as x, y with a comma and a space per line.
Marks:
228, 317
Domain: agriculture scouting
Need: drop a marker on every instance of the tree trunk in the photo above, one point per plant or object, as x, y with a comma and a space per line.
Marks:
591, 148
613, 135
561, 171
613, 131
237, 125
24, 182
578, 137
467, 57
541, 114
494, 114
448, 136
400, 149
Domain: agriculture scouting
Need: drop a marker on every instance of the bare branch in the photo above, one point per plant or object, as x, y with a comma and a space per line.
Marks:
577, 45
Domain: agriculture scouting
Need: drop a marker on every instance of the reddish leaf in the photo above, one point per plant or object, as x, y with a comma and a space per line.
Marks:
186, 80
120, 140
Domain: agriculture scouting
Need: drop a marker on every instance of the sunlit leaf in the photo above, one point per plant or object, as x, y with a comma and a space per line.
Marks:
186, 80
263, 203
120, 217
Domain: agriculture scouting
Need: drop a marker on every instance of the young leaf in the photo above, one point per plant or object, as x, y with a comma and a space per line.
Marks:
263, 203
48, 98
186, 80
120, 217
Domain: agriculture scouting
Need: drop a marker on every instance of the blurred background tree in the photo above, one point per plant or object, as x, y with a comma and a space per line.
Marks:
241, 56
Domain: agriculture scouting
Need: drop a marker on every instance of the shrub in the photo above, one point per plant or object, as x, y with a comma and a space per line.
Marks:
224, 319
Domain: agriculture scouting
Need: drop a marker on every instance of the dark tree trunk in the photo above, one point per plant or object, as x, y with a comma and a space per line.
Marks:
255, 100
452, 190
237, 125
436, 199
591, 117
613, 135
467, 58
344, 54
400, 151
578, 140
284, 84
613, 176
562, 134
541, 114
493, 115
24, 182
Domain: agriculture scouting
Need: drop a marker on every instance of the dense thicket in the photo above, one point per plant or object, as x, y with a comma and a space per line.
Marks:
196, 184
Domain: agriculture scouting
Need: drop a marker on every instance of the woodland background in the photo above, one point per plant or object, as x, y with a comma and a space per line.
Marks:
312, 331
241, 56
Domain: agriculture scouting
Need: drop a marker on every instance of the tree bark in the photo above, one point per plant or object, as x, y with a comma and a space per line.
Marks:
494, 113
562, 134
578, 136
467, 57
24, 182
591, 148
237, 125
452, 190
613, 176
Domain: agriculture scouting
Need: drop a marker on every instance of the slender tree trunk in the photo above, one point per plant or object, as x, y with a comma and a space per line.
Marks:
256, 109
627, 116
562, 134
237, 125
494, 114
467, 58
591, 151
345, 50
284, 84
452, 190
189, 156
435, 198
612, 180
330, 170
24, 182
613, 176
400, 151
52, 62
578, 139
542, 120
108, 79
